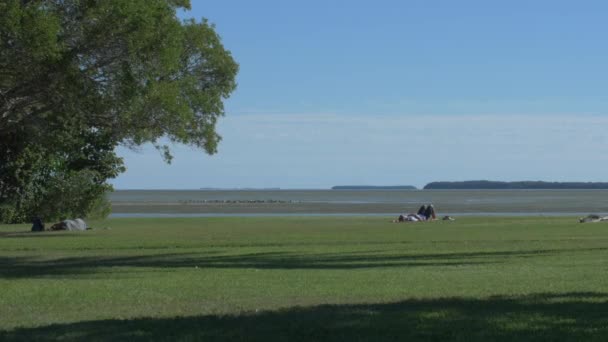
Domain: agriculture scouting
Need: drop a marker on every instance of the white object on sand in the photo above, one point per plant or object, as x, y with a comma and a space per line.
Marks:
75, 225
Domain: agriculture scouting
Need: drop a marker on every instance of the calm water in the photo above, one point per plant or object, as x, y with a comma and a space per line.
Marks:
331, 202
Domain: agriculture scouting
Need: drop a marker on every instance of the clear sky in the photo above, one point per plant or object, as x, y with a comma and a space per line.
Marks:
401, 92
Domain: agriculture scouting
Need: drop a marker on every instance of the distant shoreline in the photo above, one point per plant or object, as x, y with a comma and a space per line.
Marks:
522, 185
442, 185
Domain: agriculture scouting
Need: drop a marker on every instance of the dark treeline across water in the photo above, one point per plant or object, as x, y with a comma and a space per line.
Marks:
485, 185
524, 185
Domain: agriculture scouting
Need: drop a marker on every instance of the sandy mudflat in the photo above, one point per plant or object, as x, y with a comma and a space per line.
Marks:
330, 201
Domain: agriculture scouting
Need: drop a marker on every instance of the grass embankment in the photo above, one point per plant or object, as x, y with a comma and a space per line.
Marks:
307, 279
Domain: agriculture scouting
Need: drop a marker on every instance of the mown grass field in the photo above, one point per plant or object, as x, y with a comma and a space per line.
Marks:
290, 279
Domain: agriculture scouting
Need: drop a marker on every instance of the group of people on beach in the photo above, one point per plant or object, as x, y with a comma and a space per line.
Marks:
425, 213
72, 225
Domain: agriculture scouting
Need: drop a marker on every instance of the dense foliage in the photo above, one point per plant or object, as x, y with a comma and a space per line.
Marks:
80, 77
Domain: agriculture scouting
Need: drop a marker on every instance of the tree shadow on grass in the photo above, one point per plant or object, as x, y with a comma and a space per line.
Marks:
40, 235
27, 267
20, 267
579, 316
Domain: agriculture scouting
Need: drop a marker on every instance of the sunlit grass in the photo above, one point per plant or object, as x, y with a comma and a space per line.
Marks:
325, 278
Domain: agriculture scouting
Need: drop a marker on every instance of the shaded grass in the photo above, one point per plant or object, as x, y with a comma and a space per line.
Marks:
539, 317
306, 278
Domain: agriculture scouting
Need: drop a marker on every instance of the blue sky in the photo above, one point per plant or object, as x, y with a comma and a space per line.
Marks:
401, 92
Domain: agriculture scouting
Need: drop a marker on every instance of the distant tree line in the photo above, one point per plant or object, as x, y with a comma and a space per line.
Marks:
485, 184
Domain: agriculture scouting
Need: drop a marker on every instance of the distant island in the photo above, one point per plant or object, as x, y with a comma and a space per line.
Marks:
524, 185
373, 187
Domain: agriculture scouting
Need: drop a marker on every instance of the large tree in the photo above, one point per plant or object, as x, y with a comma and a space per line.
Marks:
80, 77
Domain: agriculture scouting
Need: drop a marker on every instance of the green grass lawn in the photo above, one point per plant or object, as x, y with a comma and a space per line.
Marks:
342, 279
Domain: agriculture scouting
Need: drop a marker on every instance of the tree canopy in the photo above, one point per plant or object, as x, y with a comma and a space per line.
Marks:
80, 77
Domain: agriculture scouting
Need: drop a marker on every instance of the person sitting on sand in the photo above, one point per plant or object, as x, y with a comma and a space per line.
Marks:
593, 218
425, 213
37, 224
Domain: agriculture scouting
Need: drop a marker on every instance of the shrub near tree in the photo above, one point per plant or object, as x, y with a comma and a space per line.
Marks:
79, 78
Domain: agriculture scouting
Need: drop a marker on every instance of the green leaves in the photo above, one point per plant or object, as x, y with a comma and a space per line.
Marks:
78, 78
